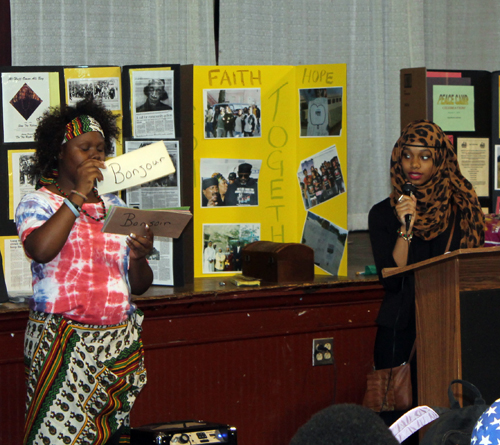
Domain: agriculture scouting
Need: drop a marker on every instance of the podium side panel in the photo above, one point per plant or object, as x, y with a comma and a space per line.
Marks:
480, 331
438, 325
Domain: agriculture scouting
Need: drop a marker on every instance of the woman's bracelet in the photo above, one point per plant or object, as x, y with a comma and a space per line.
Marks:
81, 195
406, 237
73, 207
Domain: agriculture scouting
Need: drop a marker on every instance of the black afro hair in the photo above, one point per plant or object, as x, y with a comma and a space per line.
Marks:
51, 128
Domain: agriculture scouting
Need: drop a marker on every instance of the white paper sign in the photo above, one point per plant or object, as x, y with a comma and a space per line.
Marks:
138, 167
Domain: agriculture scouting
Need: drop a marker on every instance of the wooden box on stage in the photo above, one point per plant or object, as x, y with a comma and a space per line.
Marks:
278, 262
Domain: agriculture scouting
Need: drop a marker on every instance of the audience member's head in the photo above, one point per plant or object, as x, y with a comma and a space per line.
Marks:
344, 424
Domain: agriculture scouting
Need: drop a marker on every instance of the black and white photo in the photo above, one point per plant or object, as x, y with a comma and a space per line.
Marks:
152, 103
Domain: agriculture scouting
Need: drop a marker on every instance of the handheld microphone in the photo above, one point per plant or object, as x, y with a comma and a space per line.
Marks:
408, 189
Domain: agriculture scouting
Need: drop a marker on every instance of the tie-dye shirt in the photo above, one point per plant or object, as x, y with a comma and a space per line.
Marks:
88, 280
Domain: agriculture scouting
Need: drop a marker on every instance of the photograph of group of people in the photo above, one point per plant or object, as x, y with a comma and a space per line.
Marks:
105, 90
320, 177
321, 111
229, 182
223, 243
232, 113
327, 240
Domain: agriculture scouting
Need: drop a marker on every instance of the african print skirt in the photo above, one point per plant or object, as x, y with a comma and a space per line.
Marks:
82, 380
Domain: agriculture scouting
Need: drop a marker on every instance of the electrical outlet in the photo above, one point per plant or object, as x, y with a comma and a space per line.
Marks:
322, 351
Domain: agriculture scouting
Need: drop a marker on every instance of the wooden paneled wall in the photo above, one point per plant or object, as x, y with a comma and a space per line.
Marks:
242, 358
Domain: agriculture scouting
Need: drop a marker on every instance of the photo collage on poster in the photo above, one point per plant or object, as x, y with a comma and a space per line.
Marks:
237, 114
320, 176
229, 113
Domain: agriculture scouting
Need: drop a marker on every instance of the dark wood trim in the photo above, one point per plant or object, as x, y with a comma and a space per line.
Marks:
5, 36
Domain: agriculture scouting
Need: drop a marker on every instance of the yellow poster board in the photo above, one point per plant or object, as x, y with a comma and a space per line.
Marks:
294, 119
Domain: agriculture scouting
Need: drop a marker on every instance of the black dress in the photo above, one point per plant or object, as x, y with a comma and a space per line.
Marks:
396, 318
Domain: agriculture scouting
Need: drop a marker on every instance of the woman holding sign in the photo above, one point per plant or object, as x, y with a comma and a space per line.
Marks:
83, 350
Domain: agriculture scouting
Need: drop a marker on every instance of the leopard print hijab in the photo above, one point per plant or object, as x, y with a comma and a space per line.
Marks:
447, 187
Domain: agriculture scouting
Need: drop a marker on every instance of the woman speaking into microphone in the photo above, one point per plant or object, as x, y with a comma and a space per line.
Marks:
432, 209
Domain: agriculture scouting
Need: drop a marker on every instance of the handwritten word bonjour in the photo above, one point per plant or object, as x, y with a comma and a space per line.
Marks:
141, 171
130, 222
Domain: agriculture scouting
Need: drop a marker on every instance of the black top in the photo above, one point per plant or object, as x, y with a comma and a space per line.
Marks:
400, 290
242, 194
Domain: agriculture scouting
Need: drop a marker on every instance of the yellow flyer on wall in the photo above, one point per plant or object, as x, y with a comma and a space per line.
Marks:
453, 107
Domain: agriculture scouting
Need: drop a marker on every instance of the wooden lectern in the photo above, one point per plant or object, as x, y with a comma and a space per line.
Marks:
457, 298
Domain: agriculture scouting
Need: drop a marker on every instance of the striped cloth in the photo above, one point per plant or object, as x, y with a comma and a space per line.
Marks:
82, 380
81, 124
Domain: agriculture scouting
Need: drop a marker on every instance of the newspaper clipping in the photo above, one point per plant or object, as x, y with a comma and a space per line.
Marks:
161, 261
161, 193
153, 104
21, 181
17, 268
